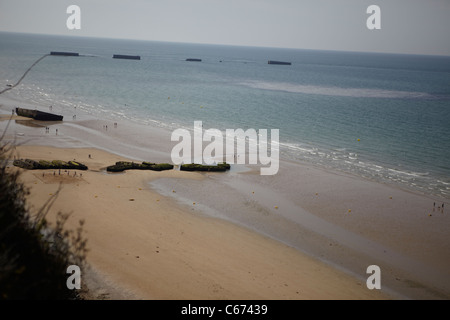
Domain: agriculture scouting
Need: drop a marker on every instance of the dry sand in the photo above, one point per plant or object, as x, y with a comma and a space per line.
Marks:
145, 246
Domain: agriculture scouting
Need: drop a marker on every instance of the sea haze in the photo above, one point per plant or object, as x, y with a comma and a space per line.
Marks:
381, 116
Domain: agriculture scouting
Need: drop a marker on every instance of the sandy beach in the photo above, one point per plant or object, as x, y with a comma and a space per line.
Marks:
305, 233
150, 248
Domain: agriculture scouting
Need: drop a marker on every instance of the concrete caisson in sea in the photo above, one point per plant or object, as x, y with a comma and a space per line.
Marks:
38, 115
279, 62
124, 56
66, 54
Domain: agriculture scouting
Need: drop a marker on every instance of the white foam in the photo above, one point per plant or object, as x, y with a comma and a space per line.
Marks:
335, 91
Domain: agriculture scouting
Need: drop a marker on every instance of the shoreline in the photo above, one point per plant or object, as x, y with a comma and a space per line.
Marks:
153, 248
322, 230
115, 141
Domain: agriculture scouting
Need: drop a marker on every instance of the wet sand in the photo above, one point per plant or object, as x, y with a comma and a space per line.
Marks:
345, 221
305, 233
146, 246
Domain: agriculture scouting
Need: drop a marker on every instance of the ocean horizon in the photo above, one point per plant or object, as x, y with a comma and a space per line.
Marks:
384, 117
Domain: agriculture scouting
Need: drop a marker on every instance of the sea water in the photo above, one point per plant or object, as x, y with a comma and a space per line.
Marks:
383, 117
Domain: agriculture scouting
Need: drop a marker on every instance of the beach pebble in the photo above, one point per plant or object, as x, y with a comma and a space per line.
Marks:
276, 207
131, 199
349, 210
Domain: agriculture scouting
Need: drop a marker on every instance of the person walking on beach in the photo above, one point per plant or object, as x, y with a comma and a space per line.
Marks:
442, 210
434, 206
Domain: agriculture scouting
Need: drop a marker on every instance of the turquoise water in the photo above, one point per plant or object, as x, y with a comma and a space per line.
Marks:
398, 106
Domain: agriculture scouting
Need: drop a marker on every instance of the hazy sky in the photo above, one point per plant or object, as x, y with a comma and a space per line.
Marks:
407, 26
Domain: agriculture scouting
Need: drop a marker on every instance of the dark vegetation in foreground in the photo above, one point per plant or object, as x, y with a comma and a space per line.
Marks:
34, 256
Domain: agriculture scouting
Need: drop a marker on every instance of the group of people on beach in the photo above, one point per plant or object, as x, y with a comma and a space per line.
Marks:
105, 127
441, 208
47, 130
68, 173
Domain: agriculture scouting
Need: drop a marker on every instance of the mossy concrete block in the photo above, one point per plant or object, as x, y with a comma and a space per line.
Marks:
47, 165
124, 165
220, 167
